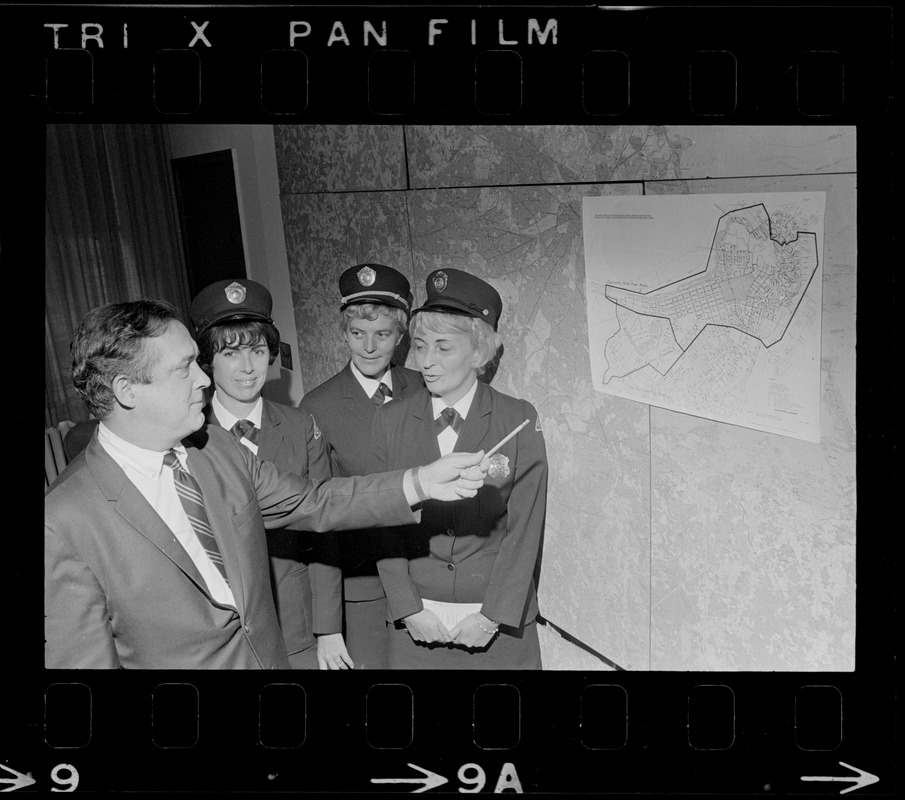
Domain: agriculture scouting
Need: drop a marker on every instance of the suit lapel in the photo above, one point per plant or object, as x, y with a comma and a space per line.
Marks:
477, 423
132, 506
217, 514
423, 416
355, 400
271, 438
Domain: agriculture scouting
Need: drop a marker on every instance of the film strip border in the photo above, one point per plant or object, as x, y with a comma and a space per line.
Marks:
496, 732
591, 63
611, 733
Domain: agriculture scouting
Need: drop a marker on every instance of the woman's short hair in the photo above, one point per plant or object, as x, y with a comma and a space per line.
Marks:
372, 311
110, 341
236, 333
485, 340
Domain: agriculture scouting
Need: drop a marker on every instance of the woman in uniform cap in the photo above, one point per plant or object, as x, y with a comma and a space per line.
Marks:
464, 596
237, 343
375, 302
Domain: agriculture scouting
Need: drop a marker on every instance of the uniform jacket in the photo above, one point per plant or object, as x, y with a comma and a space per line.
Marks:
344, 413
120, 591
289, 439
477, 550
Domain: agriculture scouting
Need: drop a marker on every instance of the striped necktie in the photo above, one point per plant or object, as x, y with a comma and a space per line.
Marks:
245, 429
449, 417
190, 495
383, 391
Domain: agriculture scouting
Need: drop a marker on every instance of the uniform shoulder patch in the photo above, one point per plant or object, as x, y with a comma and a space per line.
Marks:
317, 431
537, 426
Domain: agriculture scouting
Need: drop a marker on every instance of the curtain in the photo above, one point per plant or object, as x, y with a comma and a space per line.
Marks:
111, 235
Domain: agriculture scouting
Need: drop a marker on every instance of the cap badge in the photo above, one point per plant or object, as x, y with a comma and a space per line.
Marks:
235, 293
366, 276
440, 281
499, 466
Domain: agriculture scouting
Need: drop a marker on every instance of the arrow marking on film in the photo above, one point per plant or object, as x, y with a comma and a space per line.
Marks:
430, 779
863, 778
18, 782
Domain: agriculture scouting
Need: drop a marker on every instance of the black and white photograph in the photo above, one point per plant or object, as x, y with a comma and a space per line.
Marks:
625, 534
504, 379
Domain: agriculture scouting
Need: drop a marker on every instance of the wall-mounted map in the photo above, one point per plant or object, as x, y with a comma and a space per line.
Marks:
709, 305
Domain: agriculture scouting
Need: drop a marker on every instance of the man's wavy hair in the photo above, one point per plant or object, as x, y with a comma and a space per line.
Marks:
110, 341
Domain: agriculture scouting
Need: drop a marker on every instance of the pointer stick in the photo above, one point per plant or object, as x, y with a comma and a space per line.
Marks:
498, 446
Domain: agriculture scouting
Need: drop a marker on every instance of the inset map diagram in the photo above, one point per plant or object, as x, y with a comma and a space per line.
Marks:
709, 305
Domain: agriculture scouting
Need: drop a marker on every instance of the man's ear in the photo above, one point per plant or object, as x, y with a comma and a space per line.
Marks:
123, 391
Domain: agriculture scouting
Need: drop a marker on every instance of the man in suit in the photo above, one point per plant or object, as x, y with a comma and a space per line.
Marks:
373, 316
237, 343
155, 554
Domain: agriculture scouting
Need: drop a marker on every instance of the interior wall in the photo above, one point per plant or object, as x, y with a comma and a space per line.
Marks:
257, 187
672, 542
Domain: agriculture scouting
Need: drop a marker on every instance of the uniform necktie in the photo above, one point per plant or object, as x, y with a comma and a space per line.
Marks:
245, 428
449, 417
383, 391
192, 502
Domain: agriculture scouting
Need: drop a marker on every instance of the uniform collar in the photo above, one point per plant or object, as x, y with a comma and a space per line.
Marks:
370, 384
227, 419
463, 406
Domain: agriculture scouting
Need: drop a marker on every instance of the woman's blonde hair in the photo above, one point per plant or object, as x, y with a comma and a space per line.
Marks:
372, 311
486, 341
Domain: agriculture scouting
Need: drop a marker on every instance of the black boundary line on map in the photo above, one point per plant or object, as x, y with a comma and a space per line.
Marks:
711, 324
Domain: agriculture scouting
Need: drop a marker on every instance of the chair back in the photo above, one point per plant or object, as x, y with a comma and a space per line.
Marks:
54, 455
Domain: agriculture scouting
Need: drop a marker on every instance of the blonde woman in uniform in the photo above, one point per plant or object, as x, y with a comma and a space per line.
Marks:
464, 597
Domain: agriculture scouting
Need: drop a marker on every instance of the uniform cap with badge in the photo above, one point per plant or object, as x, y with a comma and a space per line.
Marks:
230, 300
375, 283
452, 291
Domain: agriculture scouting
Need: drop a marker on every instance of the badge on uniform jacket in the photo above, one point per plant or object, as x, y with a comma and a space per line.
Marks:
317, 431
499, 466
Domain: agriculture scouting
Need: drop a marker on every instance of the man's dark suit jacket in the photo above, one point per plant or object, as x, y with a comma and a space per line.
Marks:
344, 413
119, 589
289, 439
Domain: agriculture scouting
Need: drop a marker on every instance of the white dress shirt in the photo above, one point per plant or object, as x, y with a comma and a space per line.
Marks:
146, 471
448, 437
